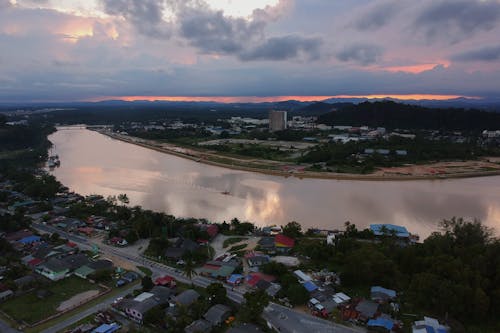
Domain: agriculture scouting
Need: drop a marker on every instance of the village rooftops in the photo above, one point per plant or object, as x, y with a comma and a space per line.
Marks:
187, 297
389, 229
217, 314
198, 326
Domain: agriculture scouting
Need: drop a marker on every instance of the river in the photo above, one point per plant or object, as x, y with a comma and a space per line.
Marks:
92, 163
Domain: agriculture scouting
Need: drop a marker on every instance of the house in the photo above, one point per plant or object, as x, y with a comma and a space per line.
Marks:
101, 265
221, 267
273, 289
137, 307
253, 278
166, 281
107, 328
25, 282
283, 243
384, 323
4, 295
257, 260
181, 247
267, 243
309, 286
380, 294
54, 269
17, 235
84, 272
341, 298
186, 298
389, 230
366, 309
86, 231
235, 279
429, 325
211, 229
302, 276
199, 326
217, 314
75, 261
30, 240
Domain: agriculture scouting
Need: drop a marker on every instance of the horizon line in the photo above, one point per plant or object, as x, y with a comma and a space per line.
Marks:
278, 98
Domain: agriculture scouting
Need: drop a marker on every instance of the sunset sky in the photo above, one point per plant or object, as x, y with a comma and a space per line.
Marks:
231, 50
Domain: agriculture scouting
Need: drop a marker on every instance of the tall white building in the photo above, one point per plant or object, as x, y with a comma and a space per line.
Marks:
277, 121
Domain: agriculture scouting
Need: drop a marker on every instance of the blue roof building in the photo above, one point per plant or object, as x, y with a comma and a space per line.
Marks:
389, 229
381, 322
107, 328
382, 294
310, 286
30, 239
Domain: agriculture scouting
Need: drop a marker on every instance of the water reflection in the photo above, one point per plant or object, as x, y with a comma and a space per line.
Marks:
93, 163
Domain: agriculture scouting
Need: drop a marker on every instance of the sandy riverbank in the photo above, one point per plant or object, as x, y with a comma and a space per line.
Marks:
441, 170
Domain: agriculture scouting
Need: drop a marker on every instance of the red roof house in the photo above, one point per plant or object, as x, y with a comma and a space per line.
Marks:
284, 241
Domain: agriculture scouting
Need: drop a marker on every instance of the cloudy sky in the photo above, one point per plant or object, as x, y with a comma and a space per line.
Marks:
65, 50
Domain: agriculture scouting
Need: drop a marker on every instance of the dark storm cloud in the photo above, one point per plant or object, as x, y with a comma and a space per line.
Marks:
363, 54
212, 32
484, 54
457, 19
378, 16
144, 15
286, 47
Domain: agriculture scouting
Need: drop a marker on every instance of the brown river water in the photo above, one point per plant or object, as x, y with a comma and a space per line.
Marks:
92, 163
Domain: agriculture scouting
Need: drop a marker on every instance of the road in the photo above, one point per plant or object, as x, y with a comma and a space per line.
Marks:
5, 328
158, 269
79, 316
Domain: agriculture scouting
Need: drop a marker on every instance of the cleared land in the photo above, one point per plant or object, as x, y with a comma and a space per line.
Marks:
30, 309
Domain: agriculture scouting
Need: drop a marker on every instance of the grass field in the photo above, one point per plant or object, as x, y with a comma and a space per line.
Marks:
233, 240
31, 309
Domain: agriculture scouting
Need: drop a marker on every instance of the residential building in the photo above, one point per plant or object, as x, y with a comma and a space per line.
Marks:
217, 314
54, 269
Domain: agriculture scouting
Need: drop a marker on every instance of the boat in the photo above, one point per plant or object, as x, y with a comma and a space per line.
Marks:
226, 192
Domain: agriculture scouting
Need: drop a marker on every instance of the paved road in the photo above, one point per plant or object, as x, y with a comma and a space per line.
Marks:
235, 295
5, 328
98, 307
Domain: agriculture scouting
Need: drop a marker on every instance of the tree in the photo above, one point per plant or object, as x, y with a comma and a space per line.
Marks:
292, 229
255, 303
189, 268
54, 238
123, 198
154, 316
147, 283
297, 294
216, 293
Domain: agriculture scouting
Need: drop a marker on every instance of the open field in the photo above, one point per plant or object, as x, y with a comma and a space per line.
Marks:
31, 309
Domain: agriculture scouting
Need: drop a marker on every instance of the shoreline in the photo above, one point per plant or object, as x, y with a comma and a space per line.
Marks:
300, 175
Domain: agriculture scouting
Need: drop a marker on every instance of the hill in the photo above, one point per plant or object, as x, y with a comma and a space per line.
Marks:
396, 115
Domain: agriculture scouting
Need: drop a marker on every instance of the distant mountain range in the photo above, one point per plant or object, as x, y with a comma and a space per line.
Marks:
490, 104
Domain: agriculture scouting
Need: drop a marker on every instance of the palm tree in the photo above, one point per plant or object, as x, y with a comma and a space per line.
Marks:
189, 268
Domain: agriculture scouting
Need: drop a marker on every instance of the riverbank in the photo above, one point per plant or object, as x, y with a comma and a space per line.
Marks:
435, 171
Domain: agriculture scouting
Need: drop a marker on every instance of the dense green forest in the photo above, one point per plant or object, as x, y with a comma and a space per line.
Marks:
395, 115
23, 145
